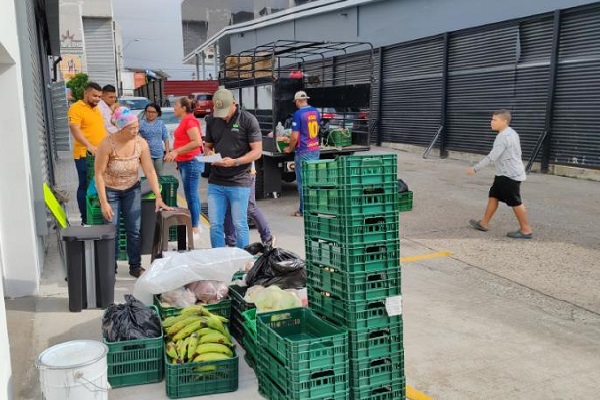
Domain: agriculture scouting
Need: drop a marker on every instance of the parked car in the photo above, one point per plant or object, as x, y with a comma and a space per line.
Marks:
349, 118
204, 104
171, 121
134, 103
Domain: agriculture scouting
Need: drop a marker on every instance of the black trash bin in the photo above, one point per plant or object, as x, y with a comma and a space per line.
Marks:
148, 222
90, 254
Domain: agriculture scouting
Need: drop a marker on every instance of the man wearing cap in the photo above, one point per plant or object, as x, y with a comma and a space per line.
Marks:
304, 139
87, 127
236, 135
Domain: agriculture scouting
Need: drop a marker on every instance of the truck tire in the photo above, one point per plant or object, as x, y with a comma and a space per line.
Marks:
288, 177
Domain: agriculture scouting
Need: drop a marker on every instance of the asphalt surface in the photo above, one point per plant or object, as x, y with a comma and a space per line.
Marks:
499, 318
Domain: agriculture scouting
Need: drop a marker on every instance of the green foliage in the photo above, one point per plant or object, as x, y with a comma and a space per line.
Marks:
77, 85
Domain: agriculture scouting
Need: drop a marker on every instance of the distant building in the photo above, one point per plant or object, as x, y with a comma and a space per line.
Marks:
444, 65
90, 41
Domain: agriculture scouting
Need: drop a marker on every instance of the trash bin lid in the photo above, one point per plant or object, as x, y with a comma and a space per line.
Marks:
94, 232
147, 193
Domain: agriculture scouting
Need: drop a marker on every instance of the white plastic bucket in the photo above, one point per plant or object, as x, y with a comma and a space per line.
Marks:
74, 370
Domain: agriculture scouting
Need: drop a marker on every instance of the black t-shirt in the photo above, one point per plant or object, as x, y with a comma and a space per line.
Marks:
232, 139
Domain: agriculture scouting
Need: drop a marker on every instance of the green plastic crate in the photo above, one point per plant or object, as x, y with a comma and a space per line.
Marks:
238, 307
354, 286
376, 371
351, 170
250, 346
375, 342
186, 380
394, 390
222, 308
300, 339
94, 211
340, 137
353, 258
355, 229
351, 314
297, 379
352, 200
169, 186
90, 160
135, 362
250, 322
405, 201
273, 391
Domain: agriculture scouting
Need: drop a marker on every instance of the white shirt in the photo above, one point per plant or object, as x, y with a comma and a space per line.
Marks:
506, 155
106, 115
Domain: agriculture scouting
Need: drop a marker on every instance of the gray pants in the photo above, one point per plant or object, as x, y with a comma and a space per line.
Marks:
158, 165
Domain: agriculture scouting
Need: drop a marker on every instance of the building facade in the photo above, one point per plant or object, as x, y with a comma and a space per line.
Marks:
444, 65
28, 44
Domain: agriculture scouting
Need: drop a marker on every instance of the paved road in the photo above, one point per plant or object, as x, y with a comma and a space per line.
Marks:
497, 319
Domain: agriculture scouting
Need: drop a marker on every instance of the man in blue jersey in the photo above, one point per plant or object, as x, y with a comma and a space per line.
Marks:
304, 139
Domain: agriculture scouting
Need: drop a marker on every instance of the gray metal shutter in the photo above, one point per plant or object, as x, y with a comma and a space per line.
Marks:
38, 107
576, 137
60, 107
99, 50
412, 91
500, 66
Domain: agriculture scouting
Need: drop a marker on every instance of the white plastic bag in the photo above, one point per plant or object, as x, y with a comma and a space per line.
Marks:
175, 270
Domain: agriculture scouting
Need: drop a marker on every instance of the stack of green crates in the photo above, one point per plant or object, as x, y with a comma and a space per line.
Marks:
352, 241
299, 356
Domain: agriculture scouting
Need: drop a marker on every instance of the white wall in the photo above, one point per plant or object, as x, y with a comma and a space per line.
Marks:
20, 260
9, 46
97, 8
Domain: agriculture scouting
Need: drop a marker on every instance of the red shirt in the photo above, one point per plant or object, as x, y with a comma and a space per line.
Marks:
181, 137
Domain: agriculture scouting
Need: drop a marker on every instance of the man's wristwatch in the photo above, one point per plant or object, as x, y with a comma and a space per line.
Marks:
236, 162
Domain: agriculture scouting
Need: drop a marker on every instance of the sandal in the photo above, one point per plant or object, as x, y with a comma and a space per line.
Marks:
297, 214
519, 235
477, 225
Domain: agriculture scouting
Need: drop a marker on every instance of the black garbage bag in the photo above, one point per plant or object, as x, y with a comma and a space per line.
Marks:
130, 321
278, 267
255, 248
402, 186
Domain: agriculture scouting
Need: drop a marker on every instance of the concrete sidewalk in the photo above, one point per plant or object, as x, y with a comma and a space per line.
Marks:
499, 318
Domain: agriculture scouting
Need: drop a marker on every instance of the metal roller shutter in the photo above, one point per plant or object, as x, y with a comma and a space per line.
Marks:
60, 106
99, 50
498, 67
575, 137
412, 91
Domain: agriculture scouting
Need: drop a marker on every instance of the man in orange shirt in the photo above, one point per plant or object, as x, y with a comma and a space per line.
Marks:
87, 127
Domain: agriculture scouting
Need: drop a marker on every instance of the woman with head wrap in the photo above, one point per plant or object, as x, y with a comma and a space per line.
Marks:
118, 160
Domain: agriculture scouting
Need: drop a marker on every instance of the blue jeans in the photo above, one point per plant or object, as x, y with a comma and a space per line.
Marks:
254, 213
128, 202
235, 197
298, 158
190, 176
81, 166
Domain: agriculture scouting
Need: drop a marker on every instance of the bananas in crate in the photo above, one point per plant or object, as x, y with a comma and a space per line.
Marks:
197, 335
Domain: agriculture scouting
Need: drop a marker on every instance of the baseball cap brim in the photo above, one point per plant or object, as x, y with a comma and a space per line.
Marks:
221, 112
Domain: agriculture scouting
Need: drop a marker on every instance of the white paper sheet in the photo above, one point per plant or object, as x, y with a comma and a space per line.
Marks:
210, 159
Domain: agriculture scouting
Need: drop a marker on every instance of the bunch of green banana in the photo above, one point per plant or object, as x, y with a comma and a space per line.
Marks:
197, 335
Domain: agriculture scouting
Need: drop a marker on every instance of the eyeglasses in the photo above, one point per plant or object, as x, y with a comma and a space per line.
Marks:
151, 112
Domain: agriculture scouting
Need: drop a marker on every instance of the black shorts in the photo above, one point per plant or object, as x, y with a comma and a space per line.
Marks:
507, 191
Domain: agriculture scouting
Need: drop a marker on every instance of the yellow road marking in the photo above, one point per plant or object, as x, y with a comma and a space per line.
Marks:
429, 256
414, 394
183, 203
